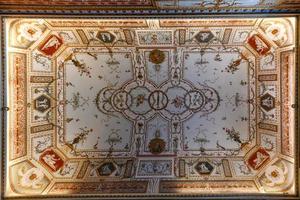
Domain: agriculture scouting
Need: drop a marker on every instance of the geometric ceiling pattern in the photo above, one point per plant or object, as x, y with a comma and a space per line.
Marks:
150, 107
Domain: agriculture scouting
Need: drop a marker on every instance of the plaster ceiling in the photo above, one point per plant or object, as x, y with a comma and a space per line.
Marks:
150, 107
151, 6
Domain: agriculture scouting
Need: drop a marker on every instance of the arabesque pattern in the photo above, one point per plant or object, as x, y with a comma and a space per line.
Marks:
150, 107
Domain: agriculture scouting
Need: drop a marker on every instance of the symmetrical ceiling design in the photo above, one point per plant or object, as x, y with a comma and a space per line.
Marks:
150, 107
143, 6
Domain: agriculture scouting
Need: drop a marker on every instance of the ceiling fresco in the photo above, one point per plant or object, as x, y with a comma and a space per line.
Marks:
149, 107
151, 6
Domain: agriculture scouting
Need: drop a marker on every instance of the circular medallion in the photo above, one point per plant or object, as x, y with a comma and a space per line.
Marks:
106, 169
194, 100
122, 100
157, 145
158, 100
105, 36
156, 56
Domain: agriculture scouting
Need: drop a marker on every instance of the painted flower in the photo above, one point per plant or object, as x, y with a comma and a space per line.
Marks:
178, 102
140, 99
275, 175
31, 178
276, 32
30, 31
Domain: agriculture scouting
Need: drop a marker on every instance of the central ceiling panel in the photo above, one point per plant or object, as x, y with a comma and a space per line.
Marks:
150, 107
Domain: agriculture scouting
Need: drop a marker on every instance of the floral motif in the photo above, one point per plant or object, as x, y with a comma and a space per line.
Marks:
81, 67
80, 137
77, 101
30, 31
276, 32
275, 175
178, 102
140, 99
234, 64
233, 134
31, 178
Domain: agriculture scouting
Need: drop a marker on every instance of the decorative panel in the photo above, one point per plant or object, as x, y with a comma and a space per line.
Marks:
150, 6
145, 107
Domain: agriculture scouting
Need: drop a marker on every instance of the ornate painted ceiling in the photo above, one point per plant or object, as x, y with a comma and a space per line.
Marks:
150, 6
145, 107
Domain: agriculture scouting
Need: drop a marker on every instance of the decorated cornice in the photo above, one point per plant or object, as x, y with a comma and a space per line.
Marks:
148, 7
